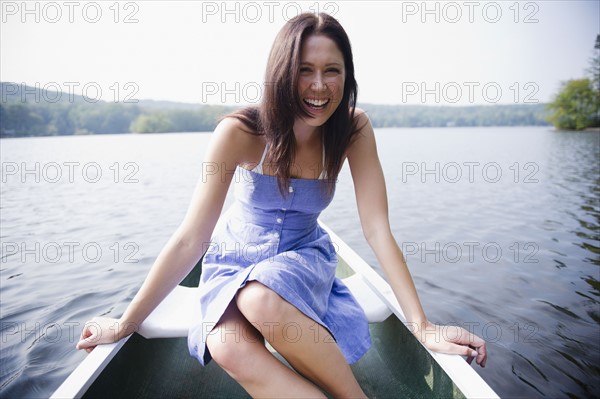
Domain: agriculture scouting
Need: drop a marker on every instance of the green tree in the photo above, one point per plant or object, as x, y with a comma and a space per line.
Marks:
575, 107
18, 118
152, 123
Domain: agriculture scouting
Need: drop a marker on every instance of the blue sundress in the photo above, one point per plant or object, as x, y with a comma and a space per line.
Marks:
275, 239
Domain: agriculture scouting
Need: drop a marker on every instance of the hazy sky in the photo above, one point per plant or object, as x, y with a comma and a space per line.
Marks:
463, 52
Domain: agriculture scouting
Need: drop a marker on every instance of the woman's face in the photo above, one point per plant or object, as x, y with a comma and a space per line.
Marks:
322, 75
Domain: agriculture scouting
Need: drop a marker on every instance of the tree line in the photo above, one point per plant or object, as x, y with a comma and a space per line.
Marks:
24, 112
29, 115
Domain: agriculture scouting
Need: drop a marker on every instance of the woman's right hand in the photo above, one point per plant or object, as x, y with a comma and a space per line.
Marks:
102, 330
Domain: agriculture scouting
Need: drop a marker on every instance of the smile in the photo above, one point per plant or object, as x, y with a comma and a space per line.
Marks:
316, 104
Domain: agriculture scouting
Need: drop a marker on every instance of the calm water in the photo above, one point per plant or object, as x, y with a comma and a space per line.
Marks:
500, 228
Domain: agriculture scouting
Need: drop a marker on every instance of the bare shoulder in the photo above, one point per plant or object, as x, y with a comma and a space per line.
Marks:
231, 129
232, 136
363, 124
359, 111
361, 116
364, 135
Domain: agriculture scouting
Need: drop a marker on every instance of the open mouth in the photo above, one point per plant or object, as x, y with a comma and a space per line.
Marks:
316, 104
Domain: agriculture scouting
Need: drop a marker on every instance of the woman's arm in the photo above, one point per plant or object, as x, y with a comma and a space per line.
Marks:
186, 245
371, 198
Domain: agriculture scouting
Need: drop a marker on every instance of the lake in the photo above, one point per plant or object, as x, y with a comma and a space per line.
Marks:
499, 226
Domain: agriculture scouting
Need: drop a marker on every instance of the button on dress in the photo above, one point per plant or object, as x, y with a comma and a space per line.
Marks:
276, 240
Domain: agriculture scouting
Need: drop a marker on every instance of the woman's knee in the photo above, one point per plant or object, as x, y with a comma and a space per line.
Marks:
260, 304
231, 349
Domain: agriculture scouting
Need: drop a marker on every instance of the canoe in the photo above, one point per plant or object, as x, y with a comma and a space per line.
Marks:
154, 362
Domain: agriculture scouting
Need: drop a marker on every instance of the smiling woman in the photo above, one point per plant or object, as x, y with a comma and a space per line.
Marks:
311, 103
275, 265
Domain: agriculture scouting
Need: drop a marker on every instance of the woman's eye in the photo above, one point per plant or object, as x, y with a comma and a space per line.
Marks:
330, 71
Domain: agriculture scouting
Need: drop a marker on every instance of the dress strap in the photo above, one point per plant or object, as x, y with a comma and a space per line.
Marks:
323, 173
259, 168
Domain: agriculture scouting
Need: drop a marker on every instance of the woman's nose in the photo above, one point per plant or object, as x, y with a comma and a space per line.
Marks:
318, 84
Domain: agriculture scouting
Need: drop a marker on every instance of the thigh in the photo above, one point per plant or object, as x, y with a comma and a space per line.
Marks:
307, 346
233, 327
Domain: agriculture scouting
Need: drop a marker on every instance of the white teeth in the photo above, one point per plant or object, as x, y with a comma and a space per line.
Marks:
316, 103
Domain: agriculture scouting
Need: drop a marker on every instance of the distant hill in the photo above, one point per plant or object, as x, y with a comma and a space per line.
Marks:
451, 116
30, 111
16, 93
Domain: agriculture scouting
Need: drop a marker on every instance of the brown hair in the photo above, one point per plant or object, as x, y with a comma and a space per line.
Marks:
281, 103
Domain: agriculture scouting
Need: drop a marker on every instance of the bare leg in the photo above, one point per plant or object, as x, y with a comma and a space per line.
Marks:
306, 345
239, 349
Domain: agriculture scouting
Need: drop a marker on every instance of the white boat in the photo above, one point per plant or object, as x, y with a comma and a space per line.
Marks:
154, 362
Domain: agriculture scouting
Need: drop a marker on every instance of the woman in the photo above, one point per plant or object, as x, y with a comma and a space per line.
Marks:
269, 265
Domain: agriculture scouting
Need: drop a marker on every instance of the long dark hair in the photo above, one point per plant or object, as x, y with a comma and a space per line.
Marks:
281, 103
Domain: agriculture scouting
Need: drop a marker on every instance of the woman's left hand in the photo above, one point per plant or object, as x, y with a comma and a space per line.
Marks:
453, 340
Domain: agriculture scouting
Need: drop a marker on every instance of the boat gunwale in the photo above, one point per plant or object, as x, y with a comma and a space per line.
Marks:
84, 375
